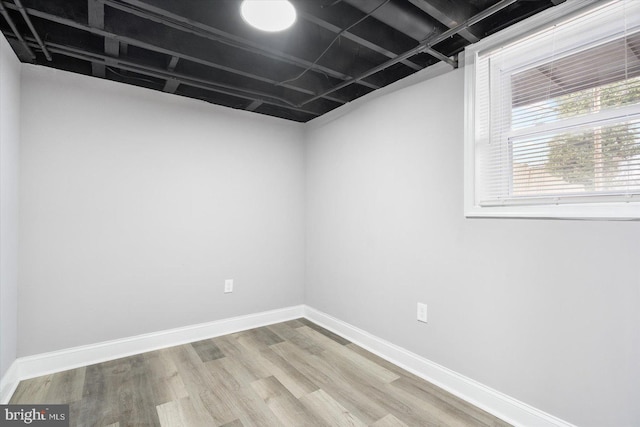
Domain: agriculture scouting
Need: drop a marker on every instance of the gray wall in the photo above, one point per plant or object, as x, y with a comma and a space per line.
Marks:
135, 206
9, 151
545, 311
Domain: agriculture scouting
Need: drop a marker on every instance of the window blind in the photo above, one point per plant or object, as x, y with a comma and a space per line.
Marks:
558, 113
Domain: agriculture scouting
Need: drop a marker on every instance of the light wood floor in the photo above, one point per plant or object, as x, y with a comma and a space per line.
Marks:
288, 374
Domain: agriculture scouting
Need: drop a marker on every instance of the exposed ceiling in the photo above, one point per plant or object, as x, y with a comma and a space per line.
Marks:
337, 51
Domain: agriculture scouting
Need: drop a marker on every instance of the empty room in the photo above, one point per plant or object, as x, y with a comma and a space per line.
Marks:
320, 213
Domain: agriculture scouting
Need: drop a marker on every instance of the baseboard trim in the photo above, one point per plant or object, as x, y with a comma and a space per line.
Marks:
499, 404
56, 361
9, 382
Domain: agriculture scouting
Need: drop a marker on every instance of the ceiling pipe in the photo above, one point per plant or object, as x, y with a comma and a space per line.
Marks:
24, 14
420, 48
12, 24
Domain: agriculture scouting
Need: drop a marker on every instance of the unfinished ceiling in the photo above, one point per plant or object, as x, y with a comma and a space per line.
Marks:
337, 51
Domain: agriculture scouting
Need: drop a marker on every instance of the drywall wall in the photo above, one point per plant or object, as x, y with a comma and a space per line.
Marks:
545, 311
135, 206
9, 154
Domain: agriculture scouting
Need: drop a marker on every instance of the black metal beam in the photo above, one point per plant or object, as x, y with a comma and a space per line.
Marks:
400, 17
173, 63
450, 13
95, 18
354, 38
111, 47
12, 25
100, 58
254, 105
405, 22
420, 48
173, 51
26, 18
167, 18
171, 85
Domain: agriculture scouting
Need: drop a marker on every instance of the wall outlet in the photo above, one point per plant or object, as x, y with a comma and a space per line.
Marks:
422, 312
228, 286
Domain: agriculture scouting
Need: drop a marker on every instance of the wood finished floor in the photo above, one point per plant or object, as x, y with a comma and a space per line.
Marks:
288, 374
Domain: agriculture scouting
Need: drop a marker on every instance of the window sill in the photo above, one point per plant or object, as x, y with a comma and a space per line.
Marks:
603, 211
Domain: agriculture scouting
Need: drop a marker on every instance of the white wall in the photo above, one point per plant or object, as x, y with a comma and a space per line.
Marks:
9, 151
545, 311
136, 205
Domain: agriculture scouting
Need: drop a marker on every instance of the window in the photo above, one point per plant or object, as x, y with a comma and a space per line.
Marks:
553, 115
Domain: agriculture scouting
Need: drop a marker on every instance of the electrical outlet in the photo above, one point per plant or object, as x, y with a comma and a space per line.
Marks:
422, 312
228, 286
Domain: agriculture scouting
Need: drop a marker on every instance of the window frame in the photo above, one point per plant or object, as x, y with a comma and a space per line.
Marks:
592, 210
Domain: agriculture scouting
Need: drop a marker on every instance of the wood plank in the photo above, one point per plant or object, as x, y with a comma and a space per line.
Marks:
182, 412
445, 402
330, 411
66, 386
426, 387
207, 350
389, 421
258, 338
134, 405
292, 379
295, 323
294, 336
33, 390
95, 408
345, 355
325, 332
285, 405
357, 391
254, 368
346, 392
197, 380
242, 398
167, 383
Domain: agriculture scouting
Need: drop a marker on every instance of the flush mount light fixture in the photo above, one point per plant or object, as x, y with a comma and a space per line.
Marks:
268, 15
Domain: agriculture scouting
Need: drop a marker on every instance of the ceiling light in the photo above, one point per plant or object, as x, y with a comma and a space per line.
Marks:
268, 15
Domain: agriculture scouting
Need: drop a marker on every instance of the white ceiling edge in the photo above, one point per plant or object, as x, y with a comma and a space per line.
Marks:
428, 73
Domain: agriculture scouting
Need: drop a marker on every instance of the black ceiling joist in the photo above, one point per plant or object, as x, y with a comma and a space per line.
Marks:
150, 12
147, 70
171, 52
450, 13
16, 33
396, 16
426, 44
359, 40
35, 34
338, 51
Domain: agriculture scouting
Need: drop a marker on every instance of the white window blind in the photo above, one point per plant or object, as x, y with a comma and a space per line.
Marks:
557, 114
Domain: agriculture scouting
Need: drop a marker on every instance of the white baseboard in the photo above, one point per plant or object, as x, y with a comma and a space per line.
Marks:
56, 361
9, 382
492, 401
499, 404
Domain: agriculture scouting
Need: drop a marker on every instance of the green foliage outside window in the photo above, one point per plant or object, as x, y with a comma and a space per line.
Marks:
593, 158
